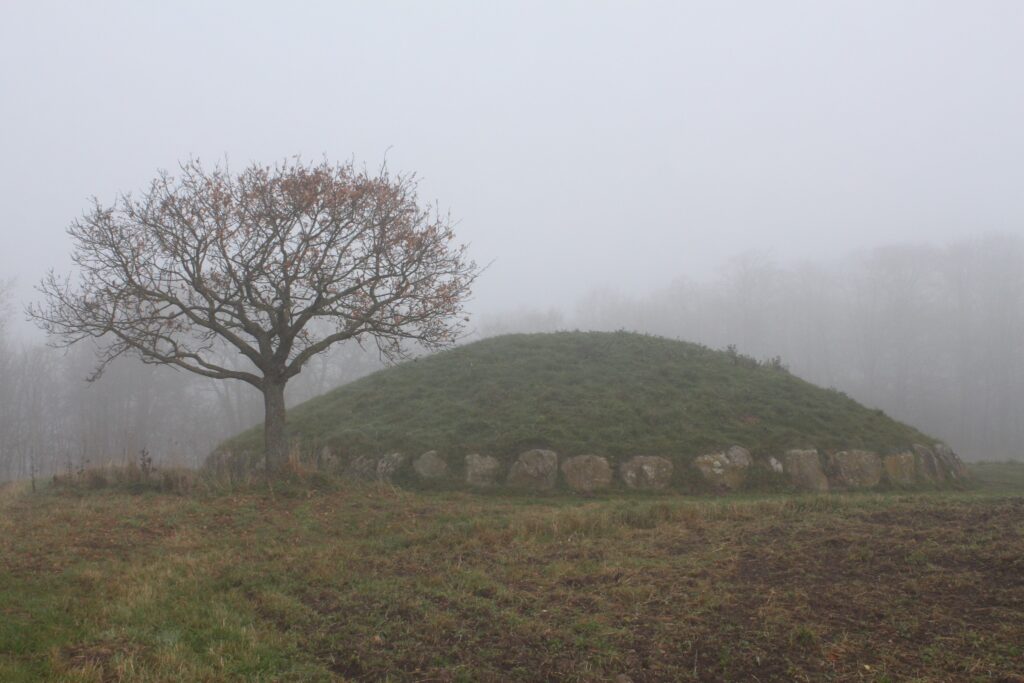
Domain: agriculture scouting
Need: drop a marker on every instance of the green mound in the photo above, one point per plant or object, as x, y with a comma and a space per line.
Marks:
611, 394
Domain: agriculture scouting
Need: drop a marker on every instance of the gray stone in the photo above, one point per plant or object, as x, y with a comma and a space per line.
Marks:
803, 467
362, 467
928, 467
482, 470
430, 465
646, 472
389, 464
855, 469
727, 469
899, 468
376, 467
586, 473
534, 469
951, 462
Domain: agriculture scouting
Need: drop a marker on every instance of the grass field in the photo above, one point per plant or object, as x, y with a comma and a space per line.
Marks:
329, 583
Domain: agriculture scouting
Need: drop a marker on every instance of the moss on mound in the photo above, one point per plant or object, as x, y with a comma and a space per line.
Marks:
612, 394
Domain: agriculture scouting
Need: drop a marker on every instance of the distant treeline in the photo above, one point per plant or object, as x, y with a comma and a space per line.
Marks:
932, 335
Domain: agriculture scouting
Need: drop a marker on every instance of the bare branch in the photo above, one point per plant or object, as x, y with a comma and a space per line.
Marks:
277, 263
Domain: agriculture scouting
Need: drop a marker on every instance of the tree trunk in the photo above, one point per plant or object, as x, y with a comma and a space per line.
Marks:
275, 434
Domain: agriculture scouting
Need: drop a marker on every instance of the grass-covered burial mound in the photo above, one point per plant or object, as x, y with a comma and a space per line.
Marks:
612, 395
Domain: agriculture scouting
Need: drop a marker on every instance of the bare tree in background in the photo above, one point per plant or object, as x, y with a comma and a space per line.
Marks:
258, 262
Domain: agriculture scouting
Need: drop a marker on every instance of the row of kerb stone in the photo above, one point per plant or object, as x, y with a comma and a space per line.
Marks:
730, 469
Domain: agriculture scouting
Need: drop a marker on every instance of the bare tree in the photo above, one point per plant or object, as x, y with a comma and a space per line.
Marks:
257, 262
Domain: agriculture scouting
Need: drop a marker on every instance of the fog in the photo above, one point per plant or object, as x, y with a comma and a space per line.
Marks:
834, 183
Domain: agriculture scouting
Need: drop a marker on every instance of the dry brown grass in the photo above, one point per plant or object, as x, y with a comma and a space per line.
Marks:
371, 583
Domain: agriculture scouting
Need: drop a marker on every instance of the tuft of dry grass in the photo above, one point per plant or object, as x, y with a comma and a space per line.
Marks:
130, 478
13, 489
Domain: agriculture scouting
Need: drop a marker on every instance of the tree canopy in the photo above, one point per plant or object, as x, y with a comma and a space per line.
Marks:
275, 263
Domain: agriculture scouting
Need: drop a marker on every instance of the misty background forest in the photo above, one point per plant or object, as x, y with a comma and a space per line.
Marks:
929, 334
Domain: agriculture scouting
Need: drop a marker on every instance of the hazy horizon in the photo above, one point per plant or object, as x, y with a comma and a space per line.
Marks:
578, 145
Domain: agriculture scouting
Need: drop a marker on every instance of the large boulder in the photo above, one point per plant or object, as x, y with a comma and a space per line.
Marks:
376, 467
855, 469
928, 467
646, 472
389, 464
362, 467
899, 468
726, 470
482, 470
586, 473
803, 468
950, 461
430, 465
534, 469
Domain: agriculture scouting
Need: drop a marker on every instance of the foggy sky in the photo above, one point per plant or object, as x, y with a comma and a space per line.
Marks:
578, 144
